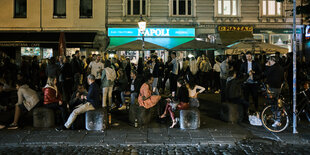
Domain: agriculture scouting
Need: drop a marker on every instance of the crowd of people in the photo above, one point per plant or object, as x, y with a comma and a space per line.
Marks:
78, 84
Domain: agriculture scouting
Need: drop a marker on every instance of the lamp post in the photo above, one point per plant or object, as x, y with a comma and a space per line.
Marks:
142, 27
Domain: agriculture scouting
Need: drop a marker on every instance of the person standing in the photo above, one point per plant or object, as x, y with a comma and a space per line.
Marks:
174, 73
154, 69
225, 68
96, 68
216, 75
76, 68
205, 76
92, 103
107, 82
251, 69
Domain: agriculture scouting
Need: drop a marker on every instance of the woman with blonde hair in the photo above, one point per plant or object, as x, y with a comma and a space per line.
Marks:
52, 98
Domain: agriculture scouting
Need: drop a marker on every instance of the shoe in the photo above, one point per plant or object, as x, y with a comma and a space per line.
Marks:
217, 92
60, 128
122, 108
2, 126
13, 126
174, 123
113, 106
276, 124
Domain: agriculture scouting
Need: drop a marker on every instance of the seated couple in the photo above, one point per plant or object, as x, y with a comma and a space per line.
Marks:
185, 98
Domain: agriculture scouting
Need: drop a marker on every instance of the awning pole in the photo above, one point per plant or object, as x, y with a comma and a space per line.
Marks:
294, 68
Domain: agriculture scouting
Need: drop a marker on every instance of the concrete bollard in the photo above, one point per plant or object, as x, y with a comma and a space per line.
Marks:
43, 117
96, 120
190, 119
231, 112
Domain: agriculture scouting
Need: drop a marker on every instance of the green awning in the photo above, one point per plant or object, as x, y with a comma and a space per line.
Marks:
164, 42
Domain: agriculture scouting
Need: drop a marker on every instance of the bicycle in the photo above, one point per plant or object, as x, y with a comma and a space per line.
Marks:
276, 115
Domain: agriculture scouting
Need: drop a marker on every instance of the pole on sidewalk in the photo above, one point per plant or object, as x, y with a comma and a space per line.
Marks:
294, 68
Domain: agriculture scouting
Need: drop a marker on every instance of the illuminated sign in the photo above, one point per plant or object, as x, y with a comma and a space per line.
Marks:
235, 28
152, 32
307, 32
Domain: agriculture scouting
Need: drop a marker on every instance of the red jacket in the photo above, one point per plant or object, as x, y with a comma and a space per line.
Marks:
50, 95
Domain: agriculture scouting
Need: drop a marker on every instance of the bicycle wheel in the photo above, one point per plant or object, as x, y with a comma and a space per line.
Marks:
268, 118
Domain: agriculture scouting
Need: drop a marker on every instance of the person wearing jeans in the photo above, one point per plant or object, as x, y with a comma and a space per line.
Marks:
92, 102
107, 81
134, 89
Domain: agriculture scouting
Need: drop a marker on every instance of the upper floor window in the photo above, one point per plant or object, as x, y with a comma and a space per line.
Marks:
20, 9
59, 9
271, 8
227, 7
86, 8
182, 7
136, 7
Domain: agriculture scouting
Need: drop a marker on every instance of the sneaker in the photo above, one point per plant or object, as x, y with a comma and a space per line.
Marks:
12, 126
122, 108
217, 92
276, 124
60, 128
2, 126
113, 106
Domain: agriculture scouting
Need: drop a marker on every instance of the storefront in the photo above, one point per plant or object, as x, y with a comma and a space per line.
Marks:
165, 37
307, 42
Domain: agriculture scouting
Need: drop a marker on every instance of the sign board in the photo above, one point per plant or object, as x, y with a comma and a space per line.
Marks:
235, 28
307, 32
152, 32
19, 44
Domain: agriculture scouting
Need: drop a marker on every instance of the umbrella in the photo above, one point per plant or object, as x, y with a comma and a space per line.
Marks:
198, 45
62, 44
254, 46
137, 46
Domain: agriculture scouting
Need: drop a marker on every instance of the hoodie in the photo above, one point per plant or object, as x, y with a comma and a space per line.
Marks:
108, 77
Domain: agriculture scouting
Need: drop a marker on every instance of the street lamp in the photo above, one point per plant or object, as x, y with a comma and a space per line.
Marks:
142, 27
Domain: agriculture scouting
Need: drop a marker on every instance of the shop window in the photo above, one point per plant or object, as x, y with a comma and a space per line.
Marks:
182, 7
227, 7
271, 8
86, 8
136, 7
20, 9
59, 9
283, 40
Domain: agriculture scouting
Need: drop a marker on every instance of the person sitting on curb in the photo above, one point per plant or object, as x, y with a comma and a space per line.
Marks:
133, 90
52, 98
76, 96
92, 103
192, 89
182, 99
146, 99
27, 100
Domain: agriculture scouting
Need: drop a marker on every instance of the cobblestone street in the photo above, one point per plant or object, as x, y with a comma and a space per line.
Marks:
243, 147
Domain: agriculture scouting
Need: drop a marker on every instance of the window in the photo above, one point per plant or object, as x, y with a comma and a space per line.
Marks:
182, 7
86, 8
20, 9
227, 7
136, 7
59, 9
271, 8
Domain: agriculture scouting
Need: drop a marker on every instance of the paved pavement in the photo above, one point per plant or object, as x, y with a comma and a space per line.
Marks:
214, 136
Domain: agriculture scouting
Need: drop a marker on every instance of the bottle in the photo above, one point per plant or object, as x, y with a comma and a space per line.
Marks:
136, 123
110, 119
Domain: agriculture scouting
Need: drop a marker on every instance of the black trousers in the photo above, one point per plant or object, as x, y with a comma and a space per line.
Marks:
251, 89
62, 108
173, 82
223, 87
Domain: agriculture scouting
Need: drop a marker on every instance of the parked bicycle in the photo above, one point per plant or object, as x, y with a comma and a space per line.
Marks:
278, 113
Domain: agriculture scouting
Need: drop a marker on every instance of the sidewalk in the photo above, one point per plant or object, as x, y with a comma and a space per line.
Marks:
212, 131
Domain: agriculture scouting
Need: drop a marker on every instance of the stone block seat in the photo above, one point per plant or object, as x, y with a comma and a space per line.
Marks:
143, 116
43, 117
96, 120
231, 112
190, 119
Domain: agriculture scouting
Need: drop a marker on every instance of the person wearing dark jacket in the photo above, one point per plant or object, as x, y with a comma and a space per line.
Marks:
66, 77
76, 68
155, 72
52, 69
132, 90
92, 102
234, 93
253, 71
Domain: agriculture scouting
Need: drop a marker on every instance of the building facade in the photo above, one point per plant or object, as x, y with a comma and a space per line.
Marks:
38, 23
220, 21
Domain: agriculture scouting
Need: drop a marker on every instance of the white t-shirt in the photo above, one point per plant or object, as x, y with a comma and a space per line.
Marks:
217, 67
96, 68
192, 92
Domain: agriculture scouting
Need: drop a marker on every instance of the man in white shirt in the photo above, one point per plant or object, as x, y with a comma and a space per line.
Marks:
96, 67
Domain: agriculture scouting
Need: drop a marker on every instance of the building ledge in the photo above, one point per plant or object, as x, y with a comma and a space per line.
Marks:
227, 19
272, 19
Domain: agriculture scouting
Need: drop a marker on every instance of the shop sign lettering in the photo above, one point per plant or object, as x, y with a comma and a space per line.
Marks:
235, 28
152, 32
